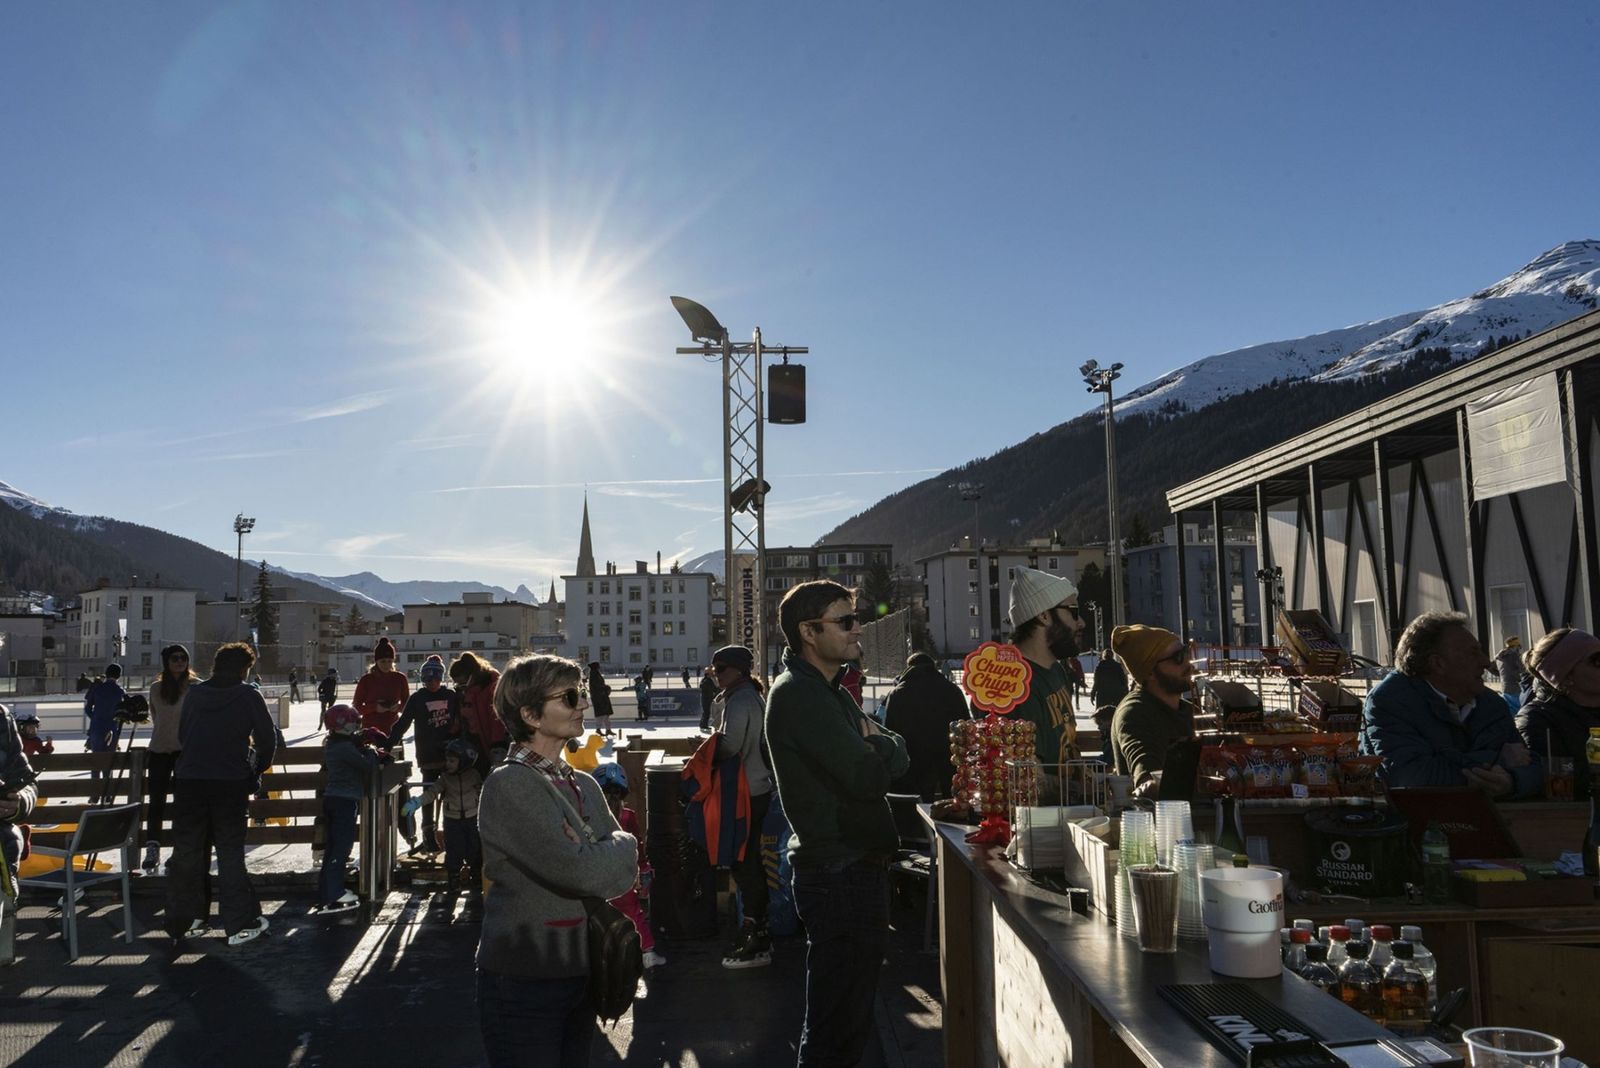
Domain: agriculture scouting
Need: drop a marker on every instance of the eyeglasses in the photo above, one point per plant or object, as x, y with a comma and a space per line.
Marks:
847, 621
1071, 609
572, 697
1179, 657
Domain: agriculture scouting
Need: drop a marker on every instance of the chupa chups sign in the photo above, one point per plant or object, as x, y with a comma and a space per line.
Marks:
997, 677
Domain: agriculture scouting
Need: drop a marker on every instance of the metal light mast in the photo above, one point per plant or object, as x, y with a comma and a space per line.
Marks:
242, 525
744, 484
1099, 380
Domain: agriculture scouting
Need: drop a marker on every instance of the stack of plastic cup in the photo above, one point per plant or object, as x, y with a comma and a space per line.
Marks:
1189, 859
1137, 846
1174, 823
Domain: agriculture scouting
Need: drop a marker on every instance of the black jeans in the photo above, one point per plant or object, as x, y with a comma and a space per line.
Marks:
158, 770
750, 874
846, 913
535, 1023
340, 814
463, 846
214, 812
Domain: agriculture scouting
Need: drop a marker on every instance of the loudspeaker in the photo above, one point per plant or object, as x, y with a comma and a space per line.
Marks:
786, 393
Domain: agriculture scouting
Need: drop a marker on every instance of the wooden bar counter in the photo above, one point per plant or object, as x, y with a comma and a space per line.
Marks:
1029, 982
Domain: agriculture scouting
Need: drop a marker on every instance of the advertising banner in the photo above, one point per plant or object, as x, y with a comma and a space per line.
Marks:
1514, 436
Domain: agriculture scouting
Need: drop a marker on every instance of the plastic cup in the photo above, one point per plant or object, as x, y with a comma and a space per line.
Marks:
1512, 1047
1155, 907
1243, 913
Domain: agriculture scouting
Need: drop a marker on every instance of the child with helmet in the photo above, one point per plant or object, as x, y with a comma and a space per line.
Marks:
28, 728
347, 767
458, 787
614, 784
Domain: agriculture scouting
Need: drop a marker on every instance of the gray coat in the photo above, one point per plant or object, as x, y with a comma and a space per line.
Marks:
739, 715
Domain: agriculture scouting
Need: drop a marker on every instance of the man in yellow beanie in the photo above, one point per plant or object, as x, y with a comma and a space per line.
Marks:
1045, 627
1154, 715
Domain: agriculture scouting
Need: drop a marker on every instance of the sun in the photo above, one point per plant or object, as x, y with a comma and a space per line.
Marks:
546, 337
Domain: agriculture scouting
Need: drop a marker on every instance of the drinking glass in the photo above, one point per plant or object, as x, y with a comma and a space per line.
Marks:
1512, 1047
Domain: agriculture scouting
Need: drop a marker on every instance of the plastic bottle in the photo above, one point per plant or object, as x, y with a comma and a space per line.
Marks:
1381, 935
1405, 992
1295, 959
1435, 865
1423, 958
1306, 925
1358, 930
1591, 840
1317, 973
1360, 985
1338, 946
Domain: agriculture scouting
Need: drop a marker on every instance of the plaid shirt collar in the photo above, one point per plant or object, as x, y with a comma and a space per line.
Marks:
555, 769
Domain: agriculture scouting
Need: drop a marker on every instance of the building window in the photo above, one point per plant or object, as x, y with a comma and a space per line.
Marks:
666, 654
666, 628
634, 658
605, 608
681, 586
972, 563
633, 617
583, 653
605, 654
1011, 574
972, 587
1055, 562
149, 608
591, 631
588, 587
122, 603
652, 656
144, 659
605, 630
972, 609
635, 638
680, 608
605, 587
144, 637
652, 608
972, 632
694, 656
635, 593
666, 608
652, 628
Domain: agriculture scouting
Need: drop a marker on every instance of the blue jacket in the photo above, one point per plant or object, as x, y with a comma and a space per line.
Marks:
1410, 726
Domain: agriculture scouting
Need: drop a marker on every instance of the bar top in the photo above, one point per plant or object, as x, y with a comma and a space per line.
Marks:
1121, 982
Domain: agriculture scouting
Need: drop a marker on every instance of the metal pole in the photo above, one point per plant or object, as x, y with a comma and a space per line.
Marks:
729, 579
759, 601
238, 580
1114, 550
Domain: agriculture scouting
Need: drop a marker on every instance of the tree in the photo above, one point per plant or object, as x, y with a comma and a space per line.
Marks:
354, 622
1138, 532
1094, 588
264, 620
878, 590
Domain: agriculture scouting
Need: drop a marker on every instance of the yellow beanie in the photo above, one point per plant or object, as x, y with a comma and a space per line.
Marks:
1140, 648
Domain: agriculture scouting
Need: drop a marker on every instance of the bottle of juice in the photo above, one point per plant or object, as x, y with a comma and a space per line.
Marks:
1360, 985
1316, 972
1405, 992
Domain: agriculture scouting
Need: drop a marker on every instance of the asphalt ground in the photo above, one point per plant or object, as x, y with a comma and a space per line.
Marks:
393, 984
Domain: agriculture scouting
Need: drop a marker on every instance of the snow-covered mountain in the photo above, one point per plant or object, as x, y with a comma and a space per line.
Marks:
709, 563
390, 596
1556, 286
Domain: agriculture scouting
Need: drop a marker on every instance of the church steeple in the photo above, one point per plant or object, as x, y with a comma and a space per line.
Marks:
552, 599
585, 545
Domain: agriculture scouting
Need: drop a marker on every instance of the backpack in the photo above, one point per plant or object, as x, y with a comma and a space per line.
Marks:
616, 963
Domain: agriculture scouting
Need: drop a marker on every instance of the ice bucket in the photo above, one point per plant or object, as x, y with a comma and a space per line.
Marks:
1243, 910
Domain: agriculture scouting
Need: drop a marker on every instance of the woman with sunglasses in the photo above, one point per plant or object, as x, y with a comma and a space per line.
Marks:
1565, 665
549, 841
166, 702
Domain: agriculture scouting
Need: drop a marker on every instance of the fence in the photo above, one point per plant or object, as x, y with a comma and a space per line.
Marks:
885, 644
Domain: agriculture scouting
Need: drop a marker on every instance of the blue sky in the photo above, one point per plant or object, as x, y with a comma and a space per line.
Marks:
393, 277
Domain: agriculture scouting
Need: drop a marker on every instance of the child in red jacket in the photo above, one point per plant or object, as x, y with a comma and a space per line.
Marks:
614, 784
28, 728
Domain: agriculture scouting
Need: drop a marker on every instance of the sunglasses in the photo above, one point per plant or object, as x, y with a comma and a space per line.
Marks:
847, 621
572, 697
1179, 657
1070, 609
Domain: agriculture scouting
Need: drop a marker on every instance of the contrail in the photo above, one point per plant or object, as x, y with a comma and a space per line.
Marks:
678, 481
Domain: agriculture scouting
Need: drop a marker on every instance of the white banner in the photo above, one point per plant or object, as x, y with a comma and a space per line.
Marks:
1515, 438
742, 586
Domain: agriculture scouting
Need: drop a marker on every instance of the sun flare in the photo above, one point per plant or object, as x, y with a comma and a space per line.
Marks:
556, 335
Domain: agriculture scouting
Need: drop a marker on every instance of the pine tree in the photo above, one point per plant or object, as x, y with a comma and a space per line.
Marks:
878, 590
355, 623
264, 620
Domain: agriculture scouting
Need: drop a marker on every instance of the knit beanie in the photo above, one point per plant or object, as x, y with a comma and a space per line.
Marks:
1033, 592
1140, 648
384, 650
432, 668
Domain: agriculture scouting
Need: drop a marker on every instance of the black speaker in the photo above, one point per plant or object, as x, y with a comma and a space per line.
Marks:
786, 393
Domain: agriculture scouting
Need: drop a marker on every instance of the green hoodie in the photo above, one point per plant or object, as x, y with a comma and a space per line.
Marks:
831, 780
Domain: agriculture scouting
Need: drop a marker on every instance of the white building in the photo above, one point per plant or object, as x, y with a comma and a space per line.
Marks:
130, 624
968, 594
1152, 584
628, 621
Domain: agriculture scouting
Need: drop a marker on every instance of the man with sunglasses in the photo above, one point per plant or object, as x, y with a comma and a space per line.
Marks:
1154, 716
1046, 627
833, 766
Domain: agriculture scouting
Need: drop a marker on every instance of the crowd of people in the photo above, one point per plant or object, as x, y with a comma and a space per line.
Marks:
540, 839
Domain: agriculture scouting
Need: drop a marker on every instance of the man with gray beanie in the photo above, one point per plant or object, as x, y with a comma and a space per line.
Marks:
1045, 626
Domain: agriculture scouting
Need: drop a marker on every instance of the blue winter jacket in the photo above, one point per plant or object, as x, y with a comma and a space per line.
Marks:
1408, 724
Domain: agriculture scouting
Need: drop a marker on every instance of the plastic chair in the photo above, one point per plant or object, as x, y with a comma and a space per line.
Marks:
99, 830
917, 857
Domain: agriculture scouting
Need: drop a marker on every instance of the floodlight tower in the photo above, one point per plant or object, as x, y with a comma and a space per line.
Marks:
744, 485
1099, 380
242, 525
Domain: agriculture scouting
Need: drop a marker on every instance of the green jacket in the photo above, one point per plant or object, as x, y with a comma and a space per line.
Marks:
831, 780
1142, 731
